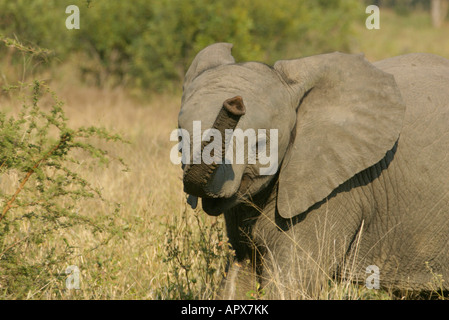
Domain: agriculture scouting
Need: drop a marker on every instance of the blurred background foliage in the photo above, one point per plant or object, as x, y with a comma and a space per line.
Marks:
149, 44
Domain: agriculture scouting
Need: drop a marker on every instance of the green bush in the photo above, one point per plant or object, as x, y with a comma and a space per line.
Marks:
260, 30
179, 29
150, 44
42, 192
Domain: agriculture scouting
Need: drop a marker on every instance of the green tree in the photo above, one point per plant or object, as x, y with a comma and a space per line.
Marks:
150, 44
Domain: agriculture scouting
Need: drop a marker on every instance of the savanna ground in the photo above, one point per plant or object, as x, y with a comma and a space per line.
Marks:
163, 249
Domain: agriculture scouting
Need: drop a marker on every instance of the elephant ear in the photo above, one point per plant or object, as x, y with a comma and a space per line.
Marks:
210, 57
349, 114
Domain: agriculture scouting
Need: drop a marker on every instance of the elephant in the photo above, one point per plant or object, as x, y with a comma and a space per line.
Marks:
362, 177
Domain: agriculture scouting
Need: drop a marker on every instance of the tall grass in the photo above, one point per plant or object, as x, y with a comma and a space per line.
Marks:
161, 249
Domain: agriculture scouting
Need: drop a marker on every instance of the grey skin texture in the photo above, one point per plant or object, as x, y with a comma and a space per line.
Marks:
363, 176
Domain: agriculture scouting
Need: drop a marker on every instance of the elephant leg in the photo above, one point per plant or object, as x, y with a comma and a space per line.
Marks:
303, 255
290, 273
240, 283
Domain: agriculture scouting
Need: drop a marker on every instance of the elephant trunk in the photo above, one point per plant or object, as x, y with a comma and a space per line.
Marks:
196, 176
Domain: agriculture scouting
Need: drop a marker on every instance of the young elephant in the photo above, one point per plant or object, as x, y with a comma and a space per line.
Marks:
360, 182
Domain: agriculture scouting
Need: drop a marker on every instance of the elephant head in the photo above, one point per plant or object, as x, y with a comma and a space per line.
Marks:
334, 115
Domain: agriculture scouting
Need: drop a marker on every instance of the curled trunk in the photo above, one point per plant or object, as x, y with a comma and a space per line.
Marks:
196, 176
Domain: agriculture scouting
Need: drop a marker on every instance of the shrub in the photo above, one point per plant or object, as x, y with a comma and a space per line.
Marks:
42, 191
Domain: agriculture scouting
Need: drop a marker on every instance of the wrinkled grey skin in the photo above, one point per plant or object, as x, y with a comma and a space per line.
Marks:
363, 176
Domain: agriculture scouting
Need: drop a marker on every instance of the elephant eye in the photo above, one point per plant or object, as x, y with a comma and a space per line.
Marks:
261, 144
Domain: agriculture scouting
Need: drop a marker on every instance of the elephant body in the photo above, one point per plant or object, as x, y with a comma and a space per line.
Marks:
363, 180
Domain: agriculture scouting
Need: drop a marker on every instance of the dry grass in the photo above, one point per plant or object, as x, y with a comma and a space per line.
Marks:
151, 192
151, 196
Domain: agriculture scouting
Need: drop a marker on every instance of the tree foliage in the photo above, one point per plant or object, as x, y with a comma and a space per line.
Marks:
150, 44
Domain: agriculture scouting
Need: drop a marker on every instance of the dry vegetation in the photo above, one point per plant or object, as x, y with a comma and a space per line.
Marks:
137, 263
150, 193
